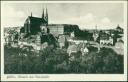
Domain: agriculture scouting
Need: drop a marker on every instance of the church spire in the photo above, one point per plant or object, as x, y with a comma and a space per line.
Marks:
31, 14
43, 13
46, 17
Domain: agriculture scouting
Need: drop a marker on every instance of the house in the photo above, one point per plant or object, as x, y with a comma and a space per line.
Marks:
81, 47
62, 41
38, 41
120, 37
76, 40
106, 39
119, 29
72, 49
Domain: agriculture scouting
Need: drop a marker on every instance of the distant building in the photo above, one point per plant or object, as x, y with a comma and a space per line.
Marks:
81, 47
42, 41
119, 30
72, 49
106, 39
120, 37
59, 29
62, 41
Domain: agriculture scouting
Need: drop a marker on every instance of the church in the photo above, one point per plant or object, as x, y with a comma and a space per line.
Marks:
32, 24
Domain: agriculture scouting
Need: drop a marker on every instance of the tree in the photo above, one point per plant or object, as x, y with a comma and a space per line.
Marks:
52, 60
106, 61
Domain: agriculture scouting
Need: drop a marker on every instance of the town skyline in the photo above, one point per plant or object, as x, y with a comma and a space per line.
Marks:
85, 15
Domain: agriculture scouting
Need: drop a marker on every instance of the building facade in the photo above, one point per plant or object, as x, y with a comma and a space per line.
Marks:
62, 29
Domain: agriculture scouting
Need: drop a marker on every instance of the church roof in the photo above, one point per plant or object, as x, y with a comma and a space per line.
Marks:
67, 25
36, 20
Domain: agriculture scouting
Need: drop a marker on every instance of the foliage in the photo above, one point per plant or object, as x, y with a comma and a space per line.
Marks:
53, 61
85, 35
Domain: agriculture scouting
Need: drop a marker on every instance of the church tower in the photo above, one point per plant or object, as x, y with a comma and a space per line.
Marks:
46, 16
43, 14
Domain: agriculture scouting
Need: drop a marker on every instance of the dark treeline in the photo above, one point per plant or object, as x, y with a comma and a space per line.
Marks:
57, 61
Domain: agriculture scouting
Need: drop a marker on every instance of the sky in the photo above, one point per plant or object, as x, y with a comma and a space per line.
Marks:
86, 15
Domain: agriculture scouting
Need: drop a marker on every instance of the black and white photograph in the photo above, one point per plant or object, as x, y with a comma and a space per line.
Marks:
58, 38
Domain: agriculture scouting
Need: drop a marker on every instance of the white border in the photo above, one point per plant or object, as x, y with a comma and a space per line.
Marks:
70, 77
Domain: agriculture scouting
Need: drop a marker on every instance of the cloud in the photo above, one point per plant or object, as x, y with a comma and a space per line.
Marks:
11, 17
106, 20
106, 23
84, 15
88, 20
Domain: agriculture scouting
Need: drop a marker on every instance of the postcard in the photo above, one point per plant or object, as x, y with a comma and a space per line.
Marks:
64, 40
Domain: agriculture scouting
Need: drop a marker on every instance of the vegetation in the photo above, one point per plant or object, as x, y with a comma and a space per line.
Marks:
50, 60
